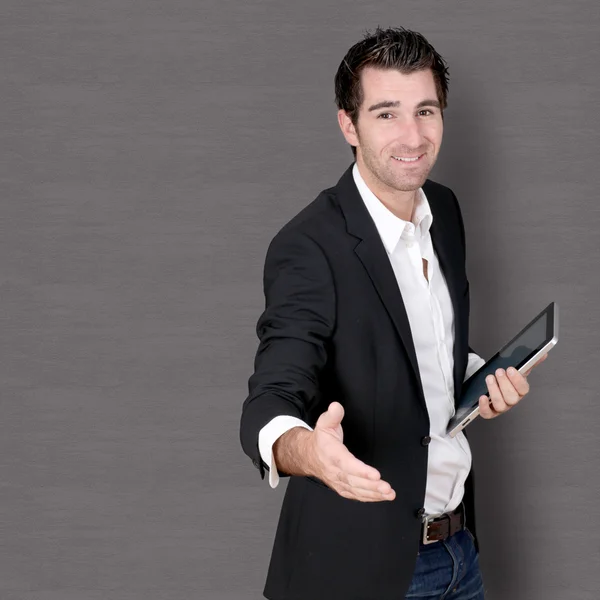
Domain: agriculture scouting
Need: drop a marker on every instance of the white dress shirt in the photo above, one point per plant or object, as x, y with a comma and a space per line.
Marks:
431, 317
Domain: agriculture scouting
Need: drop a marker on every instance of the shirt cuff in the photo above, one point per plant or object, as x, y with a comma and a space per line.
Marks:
269, 434
474, 363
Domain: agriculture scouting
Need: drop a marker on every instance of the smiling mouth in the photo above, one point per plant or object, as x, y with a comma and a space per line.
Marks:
408, 159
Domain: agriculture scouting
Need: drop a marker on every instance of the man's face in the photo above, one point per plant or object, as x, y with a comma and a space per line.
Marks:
400, 118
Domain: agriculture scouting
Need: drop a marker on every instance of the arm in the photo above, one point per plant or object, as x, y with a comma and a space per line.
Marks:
293, 331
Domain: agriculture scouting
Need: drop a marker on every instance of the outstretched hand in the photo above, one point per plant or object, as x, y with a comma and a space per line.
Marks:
337, 467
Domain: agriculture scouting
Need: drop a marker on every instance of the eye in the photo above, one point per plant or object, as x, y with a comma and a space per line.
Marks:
383, 115
426, 110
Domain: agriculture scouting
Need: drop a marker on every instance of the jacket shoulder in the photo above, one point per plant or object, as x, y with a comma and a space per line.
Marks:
442, 198
315, 219
437, 189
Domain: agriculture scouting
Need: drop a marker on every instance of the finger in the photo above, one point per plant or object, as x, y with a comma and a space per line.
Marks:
351, 496
363, 496
518, 381
366, 495
509, 394
332, 417
362, 484
352, 466
359, 485
496, 395
539, 362
486, 410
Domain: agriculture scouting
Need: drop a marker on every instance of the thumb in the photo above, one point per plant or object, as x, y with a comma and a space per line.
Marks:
332, 417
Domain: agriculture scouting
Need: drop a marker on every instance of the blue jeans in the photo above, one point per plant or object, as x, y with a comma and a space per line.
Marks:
448, 570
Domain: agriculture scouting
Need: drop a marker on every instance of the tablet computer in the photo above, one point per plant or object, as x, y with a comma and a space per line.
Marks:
522, 352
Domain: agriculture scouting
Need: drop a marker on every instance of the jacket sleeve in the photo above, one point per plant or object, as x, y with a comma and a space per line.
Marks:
294, 333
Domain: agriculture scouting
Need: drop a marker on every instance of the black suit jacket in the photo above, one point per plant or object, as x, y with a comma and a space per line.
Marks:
335, 328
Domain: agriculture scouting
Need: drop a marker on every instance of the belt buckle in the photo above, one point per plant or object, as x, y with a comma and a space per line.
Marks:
426, 521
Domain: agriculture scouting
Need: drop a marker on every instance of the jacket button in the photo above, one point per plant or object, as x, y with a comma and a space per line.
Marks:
420, 513
425, 441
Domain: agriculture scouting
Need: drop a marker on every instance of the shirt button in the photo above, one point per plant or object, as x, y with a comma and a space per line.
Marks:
425, 441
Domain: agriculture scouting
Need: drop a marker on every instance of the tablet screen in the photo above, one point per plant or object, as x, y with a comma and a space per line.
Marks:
515, 354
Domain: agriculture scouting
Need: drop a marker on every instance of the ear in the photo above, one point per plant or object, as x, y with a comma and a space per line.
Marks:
347, 128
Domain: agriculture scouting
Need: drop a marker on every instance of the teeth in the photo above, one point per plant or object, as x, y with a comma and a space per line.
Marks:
406, 159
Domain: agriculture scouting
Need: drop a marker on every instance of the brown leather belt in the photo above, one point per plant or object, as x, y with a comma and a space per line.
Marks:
436, 528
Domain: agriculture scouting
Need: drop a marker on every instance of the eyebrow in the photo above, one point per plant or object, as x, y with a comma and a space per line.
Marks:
396, 104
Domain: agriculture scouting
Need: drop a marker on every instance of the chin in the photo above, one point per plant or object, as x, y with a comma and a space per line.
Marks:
409, 185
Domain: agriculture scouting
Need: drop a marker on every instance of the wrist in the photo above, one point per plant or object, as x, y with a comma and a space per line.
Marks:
293, 450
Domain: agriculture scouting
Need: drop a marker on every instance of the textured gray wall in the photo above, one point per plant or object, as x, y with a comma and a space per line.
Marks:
150, 150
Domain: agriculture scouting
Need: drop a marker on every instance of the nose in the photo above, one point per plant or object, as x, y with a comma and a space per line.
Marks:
410, 133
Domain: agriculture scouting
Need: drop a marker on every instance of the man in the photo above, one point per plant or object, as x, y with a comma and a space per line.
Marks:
363, 351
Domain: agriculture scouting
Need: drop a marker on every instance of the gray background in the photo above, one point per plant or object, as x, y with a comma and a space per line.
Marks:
150, 151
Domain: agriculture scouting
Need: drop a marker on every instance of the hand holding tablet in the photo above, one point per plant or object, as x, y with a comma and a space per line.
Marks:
527, 349
505, 390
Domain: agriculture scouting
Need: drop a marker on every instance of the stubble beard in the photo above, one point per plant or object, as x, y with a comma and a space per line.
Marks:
389, 176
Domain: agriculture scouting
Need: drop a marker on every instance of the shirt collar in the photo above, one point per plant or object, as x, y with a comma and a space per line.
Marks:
390, 227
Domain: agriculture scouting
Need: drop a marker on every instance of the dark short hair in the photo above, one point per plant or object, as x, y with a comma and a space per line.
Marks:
393, 48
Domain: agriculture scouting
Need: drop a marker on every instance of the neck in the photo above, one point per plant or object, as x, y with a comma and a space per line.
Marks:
399, 203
